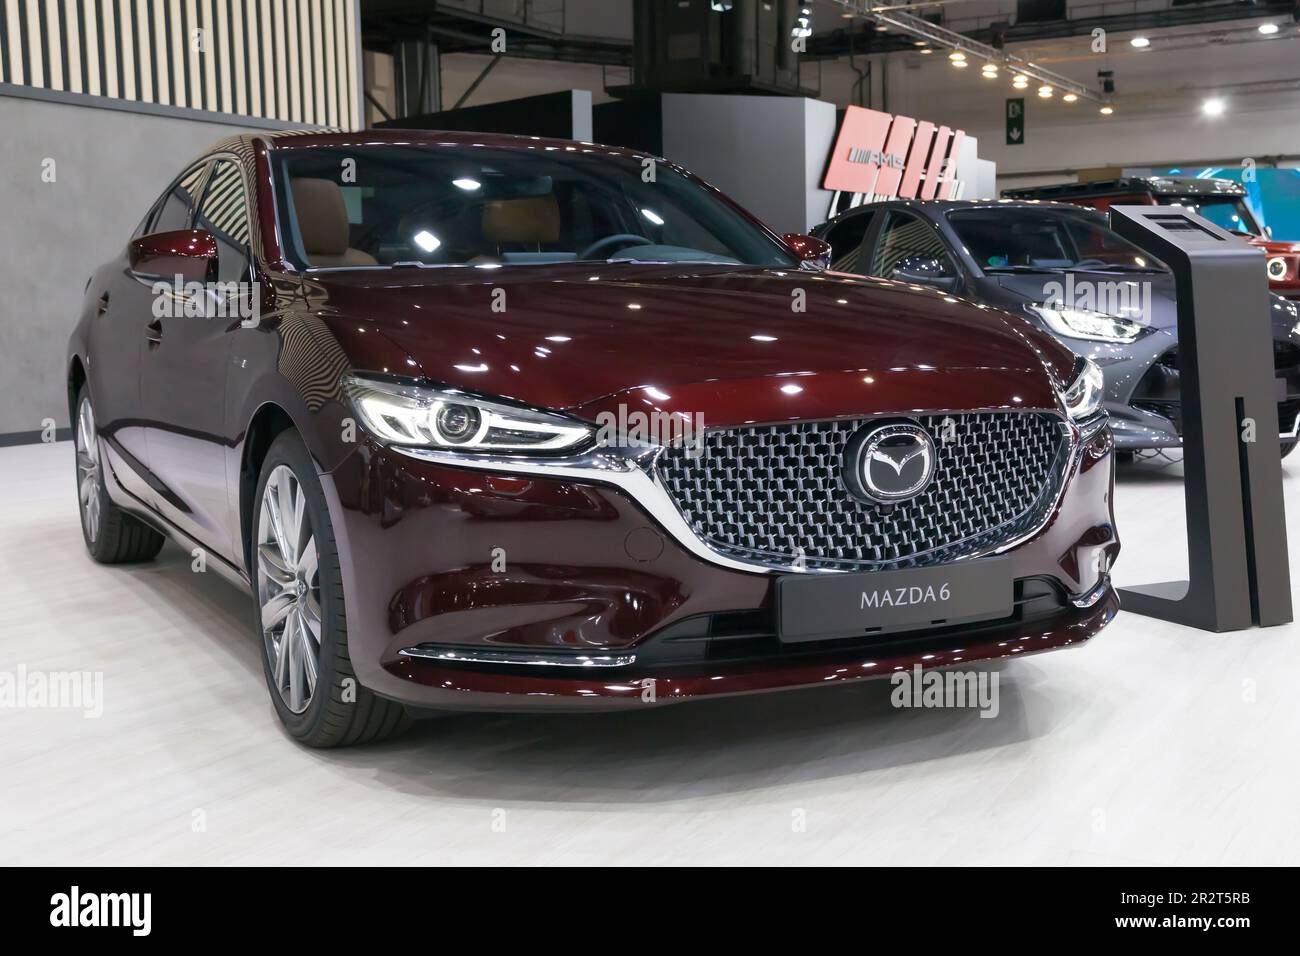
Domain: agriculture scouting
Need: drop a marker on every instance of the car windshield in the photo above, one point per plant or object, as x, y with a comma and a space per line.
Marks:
1226, 212
460, 204
1021, 239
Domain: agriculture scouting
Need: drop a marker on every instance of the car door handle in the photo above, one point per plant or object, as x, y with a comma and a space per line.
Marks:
102, 306
153, 332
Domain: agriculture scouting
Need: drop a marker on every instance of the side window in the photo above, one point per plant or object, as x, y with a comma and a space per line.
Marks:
910, 249
224, 213
846, 242
174, 209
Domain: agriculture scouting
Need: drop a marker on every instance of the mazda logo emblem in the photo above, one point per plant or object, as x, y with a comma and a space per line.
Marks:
890, 462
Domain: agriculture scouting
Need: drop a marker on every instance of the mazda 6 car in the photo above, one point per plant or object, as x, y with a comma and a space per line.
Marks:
1064, 269
495, 423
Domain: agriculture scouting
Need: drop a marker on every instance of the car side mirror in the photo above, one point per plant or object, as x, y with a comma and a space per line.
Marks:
189, 253
924, 270
809, 249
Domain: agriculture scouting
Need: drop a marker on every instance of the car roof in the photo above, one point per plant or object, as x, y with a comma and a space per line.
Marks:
294, 138
1157, 185
936, 208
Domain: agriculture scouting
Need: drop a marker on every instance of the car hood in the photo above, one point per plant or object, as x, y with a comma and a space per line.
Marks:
747, 344
1275, 247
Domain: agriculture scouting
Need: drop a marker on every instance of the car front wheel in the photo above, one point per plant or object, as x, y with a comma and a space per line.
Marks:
300, 611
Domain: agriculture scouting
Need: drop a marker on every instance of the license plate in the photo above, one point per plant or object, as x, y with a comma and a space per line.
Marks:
824, 606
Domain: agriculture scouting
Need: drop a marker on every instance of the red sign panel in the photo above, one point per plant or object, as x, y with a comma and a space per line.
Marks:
855, 160
880, 155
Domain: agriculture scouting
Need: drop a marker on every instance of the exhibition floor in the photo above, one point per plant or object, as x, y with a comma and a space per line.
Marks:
1153, 744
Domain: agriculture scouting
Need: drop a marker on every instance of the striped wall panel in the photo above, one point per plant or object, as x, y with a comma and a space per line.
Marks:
289, 60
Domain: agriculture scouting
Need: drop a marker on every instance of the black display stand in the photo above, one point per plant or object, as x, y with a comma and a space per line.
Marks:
1236, 520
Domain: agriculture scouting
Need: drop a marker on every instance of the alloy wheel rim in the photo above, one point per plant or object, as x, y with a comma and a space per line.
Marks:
288, 589
88, 470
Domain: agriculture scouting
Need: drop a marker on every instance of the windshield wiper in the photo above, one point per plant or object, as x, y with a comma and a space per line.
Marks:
1124, 267
1024, 269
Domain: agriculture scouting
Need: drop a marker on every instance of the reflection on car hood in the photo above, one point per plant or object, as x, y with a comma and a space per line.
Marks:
565, 336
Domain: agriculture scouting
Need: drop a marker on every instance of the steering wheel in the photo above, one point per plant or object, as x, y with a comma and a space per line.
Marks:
621, 238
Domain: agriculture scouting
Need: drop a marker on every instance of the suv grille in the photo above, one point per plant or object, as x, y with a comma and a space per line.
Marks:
768, 494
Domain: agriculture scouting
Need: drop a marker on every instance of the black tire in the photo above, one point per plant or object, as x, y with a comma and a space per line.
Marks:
340, 711
112, 536
1287, 448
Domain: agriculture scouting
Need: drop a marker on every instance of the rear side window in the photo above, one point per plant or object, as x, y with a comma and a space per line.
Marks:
846, 242
174, 209
224, 213
907, 238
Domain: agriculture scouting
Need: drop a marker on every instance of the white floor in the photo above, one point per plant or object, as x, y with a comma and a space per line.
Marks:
1153, 744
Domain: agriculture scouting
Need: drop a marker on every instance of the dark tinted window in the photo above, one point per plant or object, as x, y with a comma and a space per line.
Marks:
846, 238
224, 213
1224, 211
1007, 239
174, 209
910, 243
459, 204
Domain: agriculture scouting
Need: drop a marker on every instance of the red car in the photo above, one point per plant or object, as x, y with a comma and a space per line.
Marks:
1221, 201
494, 423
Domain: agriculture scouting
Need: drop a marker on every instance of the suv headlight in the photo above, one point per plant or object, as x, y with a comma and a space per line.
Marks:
453, 420
1087, 324
1083, 396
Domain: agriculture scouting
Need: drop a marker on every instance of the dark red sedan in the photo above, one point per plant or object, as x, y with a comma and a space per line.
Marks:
494, 423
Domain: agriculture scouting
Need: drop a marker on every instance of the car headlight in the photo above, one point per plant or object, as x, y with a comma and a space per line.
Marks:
1083, 396
1277, 268
1087, 324
451, 420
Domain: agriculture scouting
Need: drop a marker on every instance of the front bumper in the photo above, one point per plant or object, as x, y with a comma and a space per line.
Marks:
478, 590
1144, 396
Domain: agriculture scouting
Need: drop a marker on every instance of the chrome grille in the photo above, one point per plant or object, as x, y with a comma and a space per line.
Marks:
771, 494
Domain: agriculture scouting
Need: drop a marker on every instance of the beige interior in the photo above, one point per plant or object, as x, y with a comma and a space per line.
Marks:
531, 219
323, 224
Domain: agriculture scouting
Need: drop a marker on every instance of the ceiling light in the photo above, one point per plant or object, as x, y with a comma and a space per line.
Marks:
1214, 106
1070, 97
927, 49
1140, 42
1106, 110
960, 64
881, 28
1268, 29
956, 55
1044, 91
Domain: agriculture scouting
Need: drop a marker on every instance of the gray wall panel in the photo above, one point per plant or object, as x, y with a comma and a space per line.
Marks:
109, 165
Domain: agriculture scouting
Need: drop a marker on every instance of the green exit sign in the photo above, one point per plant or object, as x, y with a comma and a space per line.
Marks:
1015, 121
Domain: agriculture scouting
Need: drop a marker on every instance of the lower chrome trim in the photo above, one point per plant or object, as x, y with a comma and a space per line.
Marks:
525, 658
1295, 429
1093, 596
